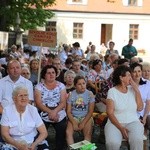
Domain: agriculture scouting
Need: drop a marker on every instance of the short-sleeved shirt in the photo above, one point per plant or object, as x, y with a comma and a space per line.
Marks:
145, 94
94, 76
127, 50
108, 52
78, 52
80, 73
80, 103
63, 56
34, 78
125, 107
24, 129
51, 99
7, 86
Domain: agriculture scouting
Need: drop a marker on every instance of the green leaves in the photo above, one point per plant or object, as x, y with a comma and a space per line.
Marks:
32, 13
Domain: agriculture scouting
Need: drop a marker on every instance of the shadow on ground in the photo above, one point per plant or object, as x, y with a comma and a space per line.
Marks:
97, 138
99, 142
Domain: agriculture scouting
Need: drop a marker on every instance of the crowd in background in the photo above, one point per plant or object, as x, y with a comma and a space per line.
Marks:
68, 86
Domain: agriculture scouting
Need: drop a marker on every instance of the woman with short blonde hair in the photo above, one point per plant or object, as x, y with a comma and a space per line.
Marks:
69, 78
146, 70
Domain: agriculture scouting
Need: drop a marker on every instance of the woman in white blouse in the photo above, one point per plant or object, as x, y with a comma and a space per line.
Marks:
123, 102
144, 88
21, 126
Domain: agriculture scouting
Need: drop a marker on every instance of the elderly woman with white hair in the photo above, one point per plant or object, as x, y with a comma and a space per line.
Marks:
21, 126
69, 78
25, 72
146, 70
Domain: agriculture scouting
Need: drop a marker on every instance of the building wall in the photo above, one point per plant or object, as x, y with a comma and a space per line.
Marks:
92, 28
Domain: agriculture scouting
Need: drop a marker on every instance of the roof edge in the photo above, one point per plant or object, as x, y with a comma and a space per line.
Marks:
55, 10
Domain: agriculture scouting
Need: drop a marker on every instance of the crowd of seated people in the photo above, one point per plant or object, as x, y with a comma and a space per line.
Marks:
64, 91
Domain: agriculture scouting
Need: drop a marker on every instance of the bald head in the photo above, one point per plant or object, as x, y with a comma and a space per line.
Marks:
14, 70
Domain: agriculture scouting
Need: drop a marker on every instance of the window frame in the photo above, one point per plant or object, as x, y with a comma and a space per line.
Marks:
132, 2
78, 2
134, 31
77, 30
111, 1
50, 27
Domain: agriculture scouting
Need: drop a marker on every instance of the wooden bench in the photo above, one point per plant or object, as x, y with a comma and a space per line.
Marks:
124, 142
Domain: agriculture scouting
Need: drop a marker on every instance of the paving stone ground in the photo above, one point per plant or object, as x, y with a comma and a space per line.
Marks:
97, 138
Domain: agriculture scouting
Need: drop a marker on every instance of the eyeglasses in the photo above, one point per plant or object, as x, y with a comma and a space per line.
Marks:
22, 95
26, 73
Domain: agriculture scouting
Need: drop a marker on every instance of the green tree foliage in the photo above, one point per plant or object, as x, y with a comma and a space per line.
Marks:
32, 13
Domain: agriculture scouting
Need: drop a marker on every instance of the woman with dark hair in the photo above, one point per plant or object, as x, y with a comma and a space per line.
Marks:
111, 48
144, 88
95, 76
50, 99
123, 102
77, 51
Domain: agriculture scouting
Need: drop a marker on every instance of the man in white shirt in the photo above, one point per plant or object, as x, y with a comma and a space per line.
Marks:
8, 83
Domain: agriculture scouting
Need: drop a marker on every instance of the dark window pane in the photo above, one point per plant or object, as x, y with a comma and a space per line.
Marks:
136, 32
80, 36
80, 31
75, 30
135, 37
75, 25
130, 32
74, 36
76, 0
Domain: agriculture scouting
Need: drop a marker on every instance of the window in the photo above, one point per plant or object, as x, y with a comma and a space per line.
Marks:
138, 3
111, 1
132, 2
77, 30
133, 31
77, 2
51, 26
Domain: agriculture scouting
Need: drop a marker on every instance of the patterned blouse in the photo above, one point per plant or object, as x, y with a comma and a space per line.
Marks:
51, 99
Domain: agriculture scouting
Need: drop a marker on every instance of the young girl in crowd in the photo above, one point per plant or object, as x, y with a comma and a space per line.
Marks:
80, 107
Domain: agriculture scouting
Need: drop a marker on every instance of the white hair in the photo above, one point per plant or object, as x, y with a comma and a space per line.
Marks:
145, 65
69, 72
17, 89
